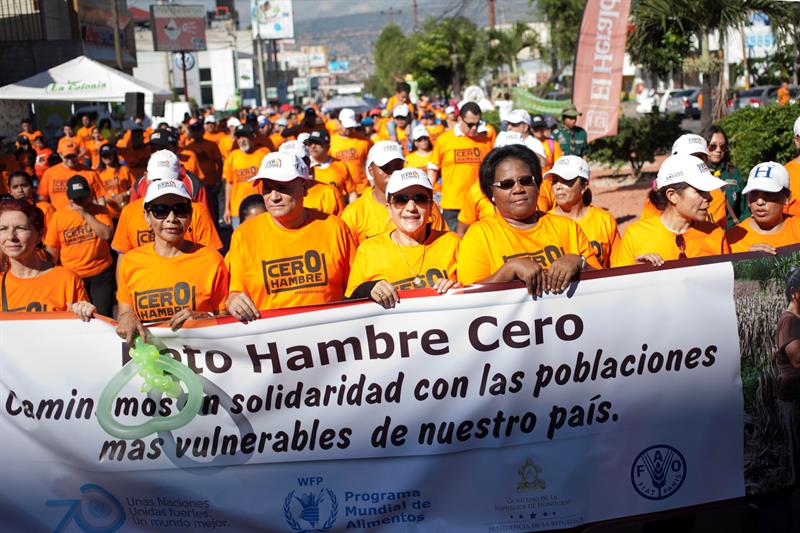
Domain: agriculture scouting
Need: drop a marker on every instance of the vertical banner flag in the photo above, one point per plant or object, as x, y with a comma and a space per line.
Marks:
598, 66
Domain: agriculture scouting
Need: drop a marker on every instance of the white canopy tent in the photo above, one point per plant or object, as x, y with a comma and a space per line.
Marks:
82, 80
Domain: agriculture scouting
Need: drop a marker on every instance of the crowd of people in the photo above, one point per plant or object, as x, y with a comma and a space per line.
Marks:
326, 205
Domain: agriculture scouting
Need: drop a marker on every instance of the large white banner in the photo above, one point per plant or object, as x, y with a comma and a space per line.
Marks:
472, 412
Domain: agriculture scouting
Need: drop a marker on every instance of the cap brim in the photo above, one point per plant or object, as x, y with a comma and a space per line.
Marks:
766, 185
569, 177
706, 183
390, 190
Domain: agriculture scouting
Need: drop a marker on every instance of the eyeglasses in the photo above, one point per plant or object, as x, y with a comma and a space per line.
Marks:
401, 200
712, 147
681, 243
471, 125
506, 184
162, 211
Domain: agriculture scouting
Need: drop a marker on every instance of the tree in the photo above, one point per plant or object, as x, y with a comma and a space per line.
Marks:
446, 55
564, 18
391, 61
503, 46
656, 43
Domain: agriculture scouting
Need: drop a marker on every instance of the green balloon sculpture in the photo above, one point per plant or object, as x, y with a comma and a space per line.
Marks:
151, 365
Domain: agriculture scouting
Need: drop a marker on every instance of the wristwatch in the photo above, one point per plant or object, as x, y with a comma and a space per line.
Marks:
583, 262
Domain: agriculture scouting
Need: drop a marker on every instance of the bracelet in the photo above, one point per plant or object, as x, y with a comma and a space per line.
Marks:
582, 261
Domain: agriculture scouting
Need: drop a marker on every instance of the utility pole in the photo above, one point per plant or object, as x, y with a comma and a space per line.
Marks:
491, 14
117, 43
262, 85
392, 12
414, 11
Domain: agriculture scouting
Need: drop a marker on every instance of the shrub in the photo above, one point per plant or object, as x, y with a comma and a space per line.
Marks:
761, 134
639, 140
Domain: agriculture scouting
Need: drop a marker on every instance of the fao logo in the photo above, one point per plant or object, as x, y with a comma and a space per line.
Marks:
658, 472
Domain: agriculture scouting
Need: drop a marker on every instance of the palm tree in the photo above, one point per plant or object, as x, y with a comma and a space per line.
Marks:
505, 45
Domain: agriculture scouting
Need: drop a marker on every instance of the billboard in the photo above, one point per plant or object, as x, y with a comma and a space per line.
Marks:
272, 19
178, 28
244, 69
338, 67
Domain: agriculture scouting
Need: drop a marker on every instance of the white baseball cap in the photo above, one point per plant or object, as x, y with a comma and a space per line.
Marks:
797, 127
767, 177
210, 119
281, 166
281, 122
505, 138
347, 118
690, 144
383, 152
401, 110
419, 132
294, 147
449, 110
687, 169
302, 137
164, 187
163, 165
233, 122
518, 116
570, 167
408, 177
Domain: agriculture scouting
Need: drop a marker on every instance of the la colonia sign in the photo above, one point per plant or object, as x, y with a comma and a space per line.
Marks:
74, 85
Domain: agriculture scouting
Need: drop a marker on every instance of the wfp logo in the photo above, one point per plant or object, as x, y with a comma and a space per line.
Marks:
98, 511
658, 472
309, 508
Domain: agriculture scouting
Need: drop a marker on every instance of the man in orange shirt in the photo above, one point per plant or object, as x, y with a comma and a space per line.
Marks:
27, 130
84, 133
783, 93
402, 90
326, 169
227, 144
210, 160
70, 137
239, 167
211, 132
347, 146
399, 128
277, 134
457, 156
53, 186
77, 237
289, 256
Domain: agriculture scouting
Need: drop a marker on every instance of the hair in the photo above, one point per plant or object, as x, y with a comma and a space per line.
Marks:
726, 159
792, 282
26, 121
20, 174
659, 197
104, 123
498, 155
34, 214
248, 202
587, 193
116, 164
403, 87
470, 107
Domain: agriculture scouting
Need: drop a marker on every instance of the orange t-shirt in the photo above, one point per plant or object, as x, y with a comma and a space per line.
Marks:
8, 164
366, 217
53, 290
133, 231
717, 209
84, 133
325, 198
277, 140
215, 137
476, 207
390, 105
209, 158
157, 287
41, 161
226, 146
93, 149
334, 173
48, 211
742, 236
81, 250
74, 139
353, 152
552, 152
116, 181
546, 200
53, 185
492, 242
458, 158
650, 236
793, 207
601, 230
435, 131
190, 163
279, 267
238, 169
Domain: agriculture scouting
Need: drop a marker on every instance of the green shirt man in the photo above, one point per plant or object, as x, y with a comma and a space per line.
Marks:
571, 137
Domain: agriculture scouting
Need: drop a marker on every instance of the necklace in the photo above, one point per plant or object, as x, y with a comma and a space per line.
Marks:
417, 281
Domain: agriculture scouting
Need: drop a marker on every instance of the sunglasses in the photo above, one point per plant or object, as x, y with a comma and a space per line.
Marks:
681, 243
162, 211
471, 125
507, 184
713, 147
401, 200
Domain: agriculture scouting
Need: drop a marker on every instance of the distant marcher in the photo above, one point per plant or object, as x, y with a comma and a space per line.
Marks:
571, 137
719, 161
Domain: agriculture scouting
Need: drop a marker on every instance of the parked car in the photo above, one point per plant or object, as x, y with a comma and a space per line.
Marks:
681, 102
662, 102
762, 95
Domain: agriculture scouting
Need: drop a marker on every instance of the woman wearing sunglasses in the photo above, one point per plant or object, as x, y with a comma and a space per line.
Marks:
519, 242
411, 256
719, 161
29, 282
172, 278
768, 227
570, 179
683, 196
